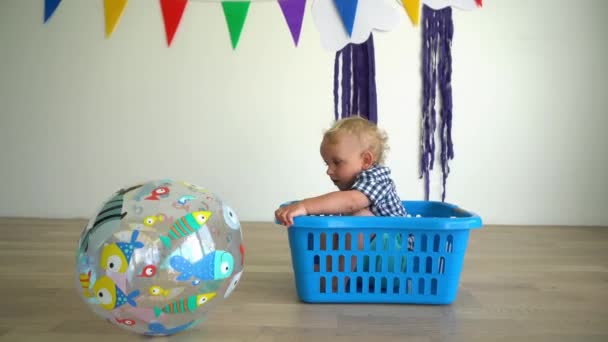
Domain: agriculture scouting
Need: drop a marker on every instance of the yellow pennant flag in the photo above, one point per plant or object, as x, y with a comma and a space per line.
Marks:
412, 7
113, 10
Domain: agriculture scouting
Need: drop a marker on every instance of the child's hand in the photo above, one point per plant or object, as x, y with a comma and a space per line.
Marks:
286, 214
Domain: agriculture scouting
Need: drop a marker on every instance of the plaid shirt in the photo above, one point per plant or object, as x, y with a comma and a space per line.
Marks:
377, 185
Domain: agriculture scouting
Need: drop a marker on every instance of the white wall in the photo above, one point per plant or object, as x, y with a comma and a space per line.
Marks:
81, 116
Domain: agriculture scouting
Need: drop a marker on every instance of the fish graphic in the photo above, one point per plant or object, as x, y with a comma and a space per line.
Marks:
185, 226
85, 282
108, 217
144, 191
233, 283
242, 249
193, 187
230, 217
150, 221
148, 272
126, 321
116, 256
213, 266
185, 199
158, 291
158, 193
111, 296
159, 329
183, 305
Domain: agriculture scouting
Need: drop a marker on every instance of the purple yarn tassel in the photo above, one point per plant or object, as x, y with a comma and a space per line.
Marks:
437, 31
359, 70
336, 83
346, 79
372, 104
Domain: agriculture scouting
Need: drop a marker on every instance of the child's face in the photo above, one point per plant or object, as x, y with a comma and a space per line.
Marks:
344, 159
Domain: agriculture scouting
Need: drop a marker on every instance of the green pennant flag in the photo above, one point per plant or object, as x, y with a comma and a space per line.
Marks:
235, 13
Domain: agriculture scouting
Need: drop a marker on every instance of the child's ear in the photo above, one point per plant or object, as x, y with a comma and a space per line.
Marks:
368, 159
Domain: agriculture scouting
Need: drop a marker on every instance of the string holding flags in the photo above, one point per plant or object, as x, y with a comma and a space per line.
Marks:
354, 19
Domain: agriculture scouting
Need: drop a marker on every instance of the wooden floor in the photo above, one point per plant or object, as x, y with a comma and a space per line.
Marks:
518, 284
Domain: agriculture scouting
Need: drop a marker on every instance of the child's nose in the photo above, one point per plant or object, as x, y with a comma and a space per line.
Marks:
329, 171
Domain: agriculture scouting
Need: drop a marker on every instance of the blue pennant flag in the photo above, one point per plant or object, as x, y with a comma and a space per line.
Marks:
49, 8
347, 10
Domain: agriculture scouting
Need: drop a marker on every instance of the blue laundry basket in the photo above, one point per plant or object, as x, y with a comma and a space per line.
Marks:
415, 259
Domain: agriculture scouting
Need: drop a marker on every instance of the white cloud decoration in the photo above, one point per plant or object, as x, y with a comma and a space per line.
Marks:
466, 5
382, 15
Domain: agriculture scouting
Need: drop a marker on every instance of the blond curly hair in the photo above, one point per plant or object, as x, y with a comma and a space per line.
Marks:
371, 137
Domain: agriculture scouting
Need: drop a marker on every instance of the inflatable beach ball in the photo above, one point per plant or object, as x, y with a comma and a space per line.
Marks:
157, 257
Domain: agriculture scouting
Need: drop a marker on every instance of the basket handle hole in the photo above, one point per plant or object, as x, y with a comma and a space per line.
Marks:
348, 242
411, 242
449, 244
347, 284
323, 241
441, 265
336, 242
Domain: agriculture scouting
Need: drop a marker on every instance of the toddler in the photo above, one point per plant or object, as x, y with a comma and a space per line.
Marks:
353, 150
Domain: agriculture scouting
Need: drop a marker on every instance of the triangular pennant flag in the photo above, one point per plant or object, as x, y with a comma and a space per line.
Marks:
172, 15
293, 10
235, 13
49, 8
412, 7
347, 10
113, 11
479, 3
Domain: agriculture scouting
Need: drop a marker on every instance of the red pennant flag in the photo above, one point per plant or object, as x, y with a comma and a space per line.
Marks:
479, 3
172, 15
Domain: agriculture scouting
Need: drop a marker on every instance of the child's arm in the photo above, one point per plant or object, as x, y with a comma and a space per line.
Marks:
338, 202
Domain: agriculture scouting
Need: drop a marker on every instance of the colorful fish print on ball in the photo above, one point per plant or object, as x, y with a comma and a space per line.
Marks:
157, 257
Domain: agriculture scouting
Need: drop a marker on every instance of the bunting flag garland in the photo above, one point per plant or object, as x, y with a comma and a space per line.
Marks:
359, 70
172, 15
49, 8
348, 11
339, 22
235, 13
113, 10
293, 11
437, 33
412, 7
